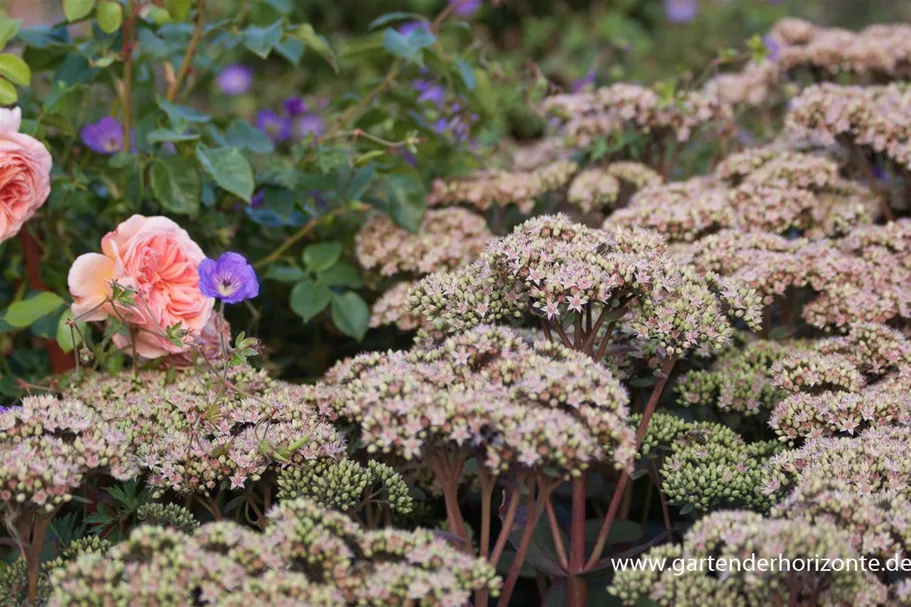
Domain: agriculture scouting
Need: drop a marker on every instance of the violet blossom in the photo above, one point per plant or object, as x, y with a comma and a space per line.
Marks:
231, 278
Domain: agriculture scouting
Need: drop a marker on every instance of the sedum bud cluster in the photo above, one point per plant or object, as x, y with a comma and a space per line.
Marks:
346, 485
14, 581
171, 516
306, 556
710, 466
741, 380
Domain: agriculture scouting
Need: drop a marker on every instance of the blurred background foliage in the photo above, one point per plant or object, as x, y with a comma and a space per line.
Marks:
495, 60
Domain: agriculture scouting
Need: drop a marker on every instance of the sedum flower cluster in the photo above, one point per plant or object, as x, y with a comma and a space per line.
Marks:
874, 118
391, 308
552, 268
306, 556
608, 187
735, 536
844, 384
192, 432
448, 238
345, 485
882, 52
49, 446
741, 380
496, 188
765, 190
711, 466
586, 116
873, 461
486, 391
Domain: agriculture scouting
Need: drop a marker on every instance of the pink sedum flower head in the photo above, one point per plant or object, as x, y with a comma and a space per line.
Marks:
25, 168
158, 261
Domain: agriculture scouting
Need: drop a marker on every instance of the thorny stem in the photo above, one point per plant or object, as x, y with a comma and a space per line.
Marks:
614, 507
191, 51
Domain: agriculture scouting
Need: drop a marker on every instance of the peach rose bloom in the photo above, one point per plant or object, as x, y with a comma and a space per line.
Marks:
25, 174
155, 257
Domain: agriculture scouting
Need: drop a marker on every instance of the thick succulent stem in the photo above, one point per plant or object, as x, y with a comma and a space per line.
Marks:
535, 507
614, 507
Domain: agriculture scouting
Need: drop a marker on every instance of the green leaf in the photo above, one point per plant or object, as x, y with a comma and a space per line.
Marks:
284, 7
178, 9
110, 16
285, 274
403, 46
350, 314
15, 70
176, 185
25, 312
230, 169
261, 40
306, 34
77, 9
342, 274
309, 299
8, 94
467, 73
406, 200
68, 337
484, 93
179, 115
322, 256
170, 135
243, 135
396, 16
291, 49
8, 29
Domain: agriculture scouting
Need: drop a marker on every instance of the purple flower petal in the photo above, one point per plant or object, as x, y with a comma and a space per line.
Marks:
231, 278
235, 79
104, 136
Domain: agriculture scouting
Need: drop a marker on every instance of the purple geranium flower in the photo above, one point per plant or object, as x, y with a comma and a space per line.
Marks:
235, 79
429, 91
104, 136
465, 8
258, 199
230, 279
294, 106
309, 124
278, 128
681, 11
